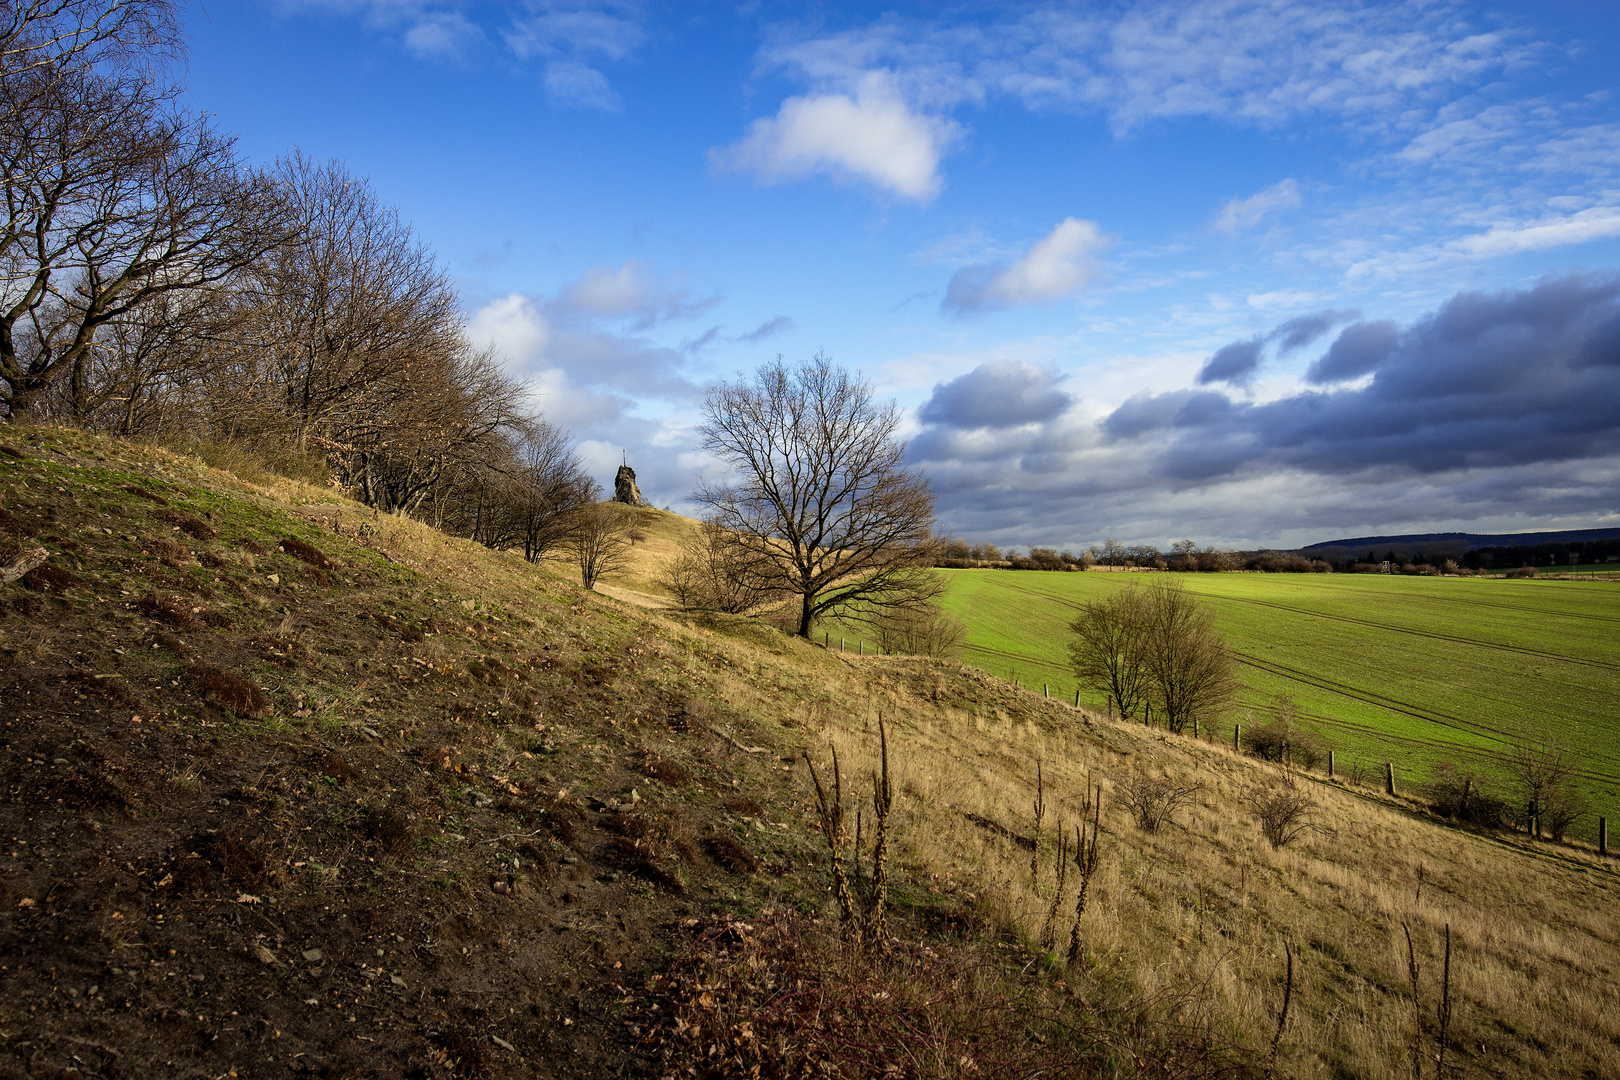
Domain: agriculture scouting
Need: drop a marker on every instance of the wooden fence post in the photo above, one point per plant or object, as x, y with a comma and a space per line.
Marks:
861, 645
840, 644
1603, 836
1330, 764
1237, 737
1044, 689
1389, 778
1077, 697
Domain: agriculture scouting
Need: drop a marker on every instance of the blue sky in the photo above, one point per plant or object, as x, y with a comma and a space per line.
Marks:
1249, 273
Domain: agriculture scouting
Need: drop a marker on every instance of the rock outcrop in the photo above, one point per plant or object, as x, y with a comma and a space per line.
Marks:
624, 487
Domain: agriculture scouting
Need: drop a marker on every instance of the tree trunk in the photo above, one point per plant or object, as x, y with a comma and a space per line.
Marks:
804, 616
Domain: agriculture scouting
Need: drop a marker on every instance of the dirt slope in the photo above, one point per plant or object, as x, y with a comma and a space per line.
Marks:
288, 789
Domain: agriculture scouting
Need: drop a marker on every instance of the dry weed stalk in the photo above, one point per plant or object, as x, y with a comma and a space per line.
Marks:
1049, 928
1085, 860
883, 805
1040, 815
1442, 1009
860, 908
831, 812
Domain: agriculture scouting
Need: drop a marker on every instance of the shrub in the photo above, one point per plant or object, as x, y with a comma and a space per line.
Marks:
924, 630
1154, 800
1523, 572
1285, 813
1280, 739
1457, 794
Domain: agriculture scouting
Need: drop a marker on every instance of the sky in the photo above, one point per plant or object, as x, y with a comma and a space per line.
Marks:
1247, 273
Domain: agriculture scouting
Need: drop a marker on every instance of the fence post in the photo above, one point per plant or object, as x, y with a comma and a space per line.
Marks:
1330, 764
1044, 690
840, 644
1603, 836
861, 645
1389, 778
1077, 697
1237, 737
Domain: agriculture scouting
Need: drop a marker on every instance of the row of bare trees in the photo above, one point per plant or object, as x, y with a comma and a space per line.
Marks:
152, 284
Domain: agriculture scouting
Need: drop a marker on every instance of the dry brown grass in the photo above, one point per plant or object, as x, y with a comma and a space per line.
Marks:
1198, 915
1536, 954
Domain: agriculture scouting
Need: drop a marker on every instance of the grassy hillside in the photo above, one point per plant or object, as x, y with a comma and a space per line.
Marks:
289, 789
1413, 670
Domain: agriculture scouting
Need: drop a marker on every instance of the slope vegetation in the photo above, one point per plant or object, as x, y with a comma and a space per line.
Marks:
290, 789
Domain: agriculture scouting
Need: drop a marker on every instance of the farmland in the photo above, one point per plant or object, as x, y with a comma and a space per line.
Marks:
1403, 669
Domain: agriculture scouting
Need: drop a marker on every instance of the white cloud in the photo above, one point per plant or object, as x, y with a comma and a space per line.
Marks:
569, 82
872, 136
1512, 238
1060, 263
443, 35
634, 291
1250, 61
1597, 223
1239, 214
514, 327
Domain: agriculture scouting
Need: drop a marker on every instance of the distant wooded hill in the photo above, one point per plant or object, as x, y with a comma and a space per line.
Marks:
1531, 548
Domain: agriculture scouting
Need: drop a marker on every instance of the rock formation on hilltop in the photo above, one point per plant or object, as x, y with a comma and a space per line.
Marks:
624, 487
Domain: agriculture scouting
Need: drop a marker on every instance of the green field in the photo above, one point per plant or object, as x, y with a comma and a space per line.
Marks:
1413, 670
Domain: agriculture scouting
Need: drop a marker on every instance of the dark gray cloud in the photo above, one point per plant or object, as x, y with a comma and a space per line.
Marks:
1300, 332
1235, 363
1496, 408
1359, 349
997, 394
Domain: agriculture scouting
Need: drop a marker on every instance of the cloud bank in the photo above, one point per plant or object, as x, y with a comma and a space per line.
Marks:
1496, 407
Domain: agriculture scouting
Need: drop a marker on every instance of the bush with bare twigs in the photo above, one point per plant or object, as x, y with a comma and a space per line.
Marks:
1154, 800
1285, 813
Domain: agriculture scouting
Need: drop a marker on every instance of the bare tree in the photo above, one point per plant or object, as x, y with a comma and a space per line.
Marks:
920, 630
551, 485
1545, 779
822, 494
599, 540
1108, 652
716, 571
113, 200
1190, 671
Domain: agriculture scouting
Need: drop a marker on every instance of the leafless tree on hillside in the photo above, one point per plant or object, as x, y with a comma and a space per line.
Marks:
1108, 650
1190, 671
551, 485
113, 199
822, 493
1545, 779
718, 571
599, 540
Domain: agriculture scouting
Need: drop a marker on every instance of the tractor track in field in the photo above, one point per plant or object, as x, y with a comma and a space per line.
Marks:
1454, 638
1434, 635
1369, 731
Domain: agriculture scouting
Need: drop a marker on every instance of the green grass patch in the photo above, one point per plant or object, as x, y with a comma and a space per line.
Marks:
1413, 670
